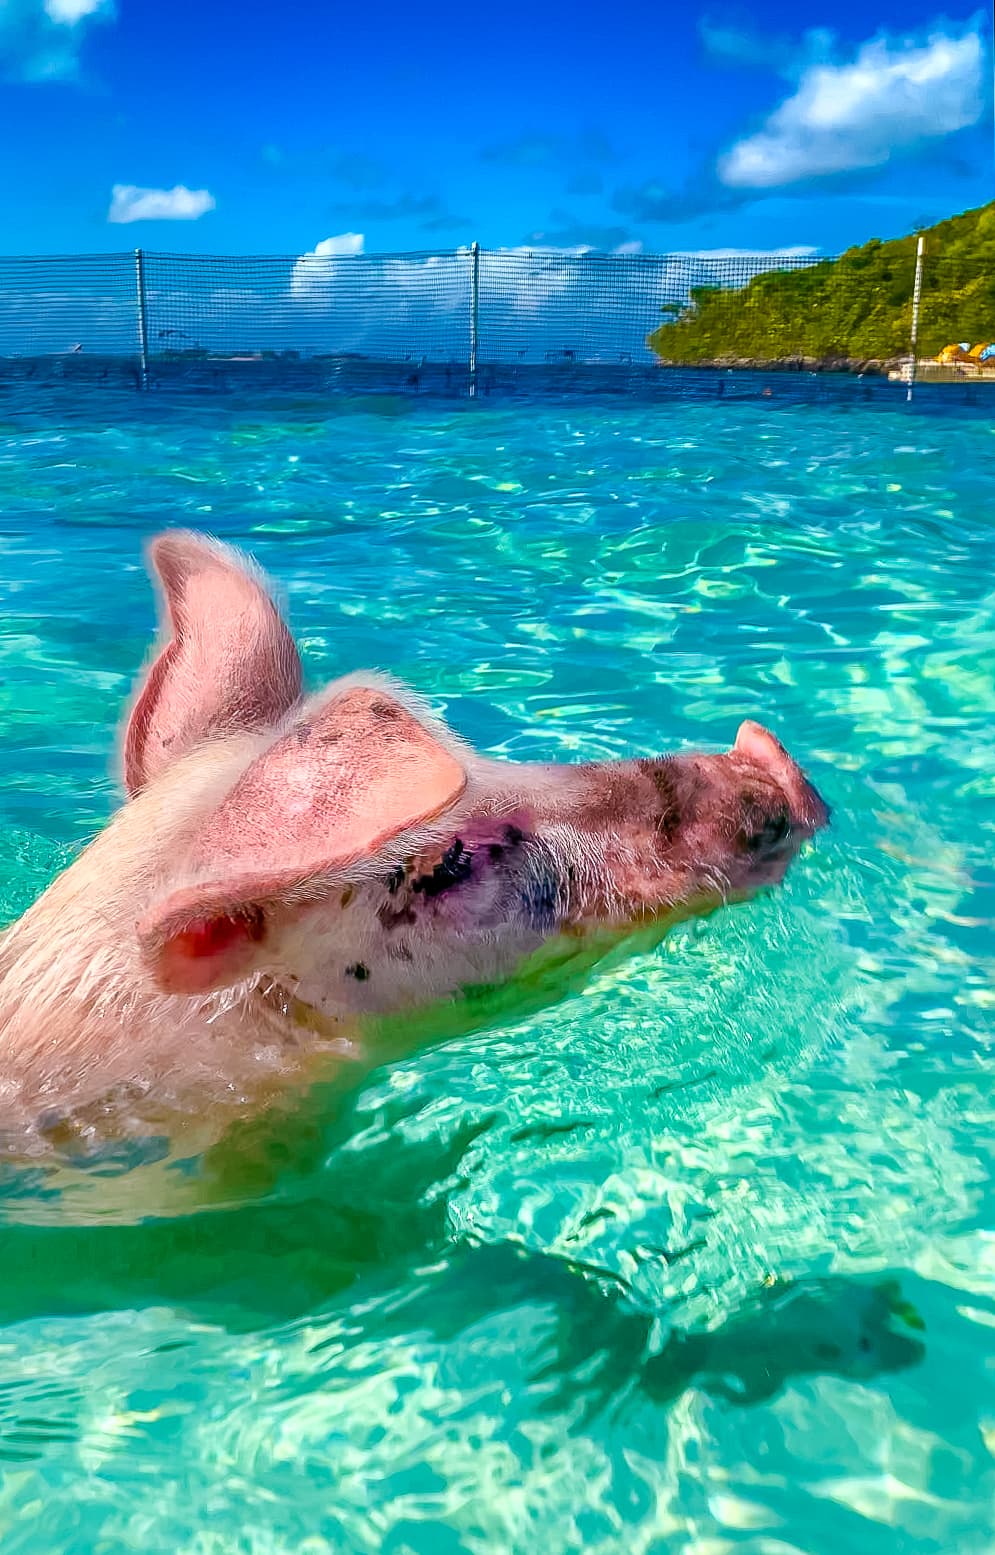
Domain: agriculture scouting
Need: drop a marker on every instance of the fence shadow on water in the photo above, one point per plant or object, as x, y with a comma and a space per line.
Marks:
478, 323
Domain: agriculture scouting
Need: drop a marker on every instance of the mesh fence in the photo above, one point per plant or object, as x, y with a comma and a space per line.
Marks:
476, 320
51, 307
598, 309
386, 307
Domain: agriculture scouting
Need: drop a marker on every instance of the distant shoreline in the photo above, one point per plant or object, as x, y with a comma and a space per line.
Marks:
788, 364
893, 367
351, 374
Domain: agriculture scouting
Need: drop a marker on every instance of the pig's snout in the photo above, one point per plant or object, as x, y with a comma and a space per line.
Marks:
808, 811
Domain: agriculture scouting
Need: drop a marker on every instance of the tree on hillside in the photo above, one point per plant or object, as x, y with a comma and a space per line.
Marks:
856, 307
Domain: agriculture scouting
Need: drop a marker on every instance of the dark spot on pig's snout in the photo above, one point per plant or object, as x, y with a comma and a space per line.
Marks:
455, 866
395, 880
385, 711
513, 838
360, 972
303, 733
774, 830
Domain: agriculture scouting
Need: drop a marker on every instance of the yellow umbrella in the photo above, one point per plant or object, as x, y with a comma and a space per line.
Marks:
955, 353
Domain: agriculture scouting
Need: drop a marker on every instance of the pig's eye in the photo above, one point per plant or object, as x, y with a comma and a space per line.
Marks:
773, 833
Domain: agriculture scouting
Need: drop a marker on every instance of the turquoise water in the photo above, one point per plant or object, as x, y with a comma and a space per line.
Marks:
700, 1261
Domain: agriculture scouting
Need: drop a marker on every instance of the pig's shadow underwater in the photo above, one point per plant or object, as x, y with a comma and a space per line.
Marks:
375, 1224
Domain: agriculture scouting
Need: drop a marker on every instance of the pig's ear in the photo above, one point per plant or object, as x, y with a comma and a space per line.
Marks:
230, 663
351, 775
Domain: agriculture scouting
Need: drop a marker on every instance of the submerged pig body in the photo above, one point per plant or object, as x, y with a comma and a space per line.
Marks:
287, 870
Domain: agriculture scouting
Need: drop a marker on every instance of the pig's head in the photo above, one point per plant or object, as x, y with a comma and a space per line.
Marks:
731, 824
352, 840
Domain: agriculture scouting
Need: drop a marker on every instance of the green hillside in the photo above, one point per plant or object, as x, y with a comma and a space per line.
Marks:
857, 307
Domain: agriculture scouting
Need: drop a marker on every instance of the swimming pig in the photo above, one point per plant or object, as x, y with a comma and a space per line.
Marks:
289, 873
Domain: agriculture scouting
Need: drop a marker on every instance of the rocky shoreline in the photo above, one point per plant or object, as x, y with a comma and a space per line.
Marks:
874, 367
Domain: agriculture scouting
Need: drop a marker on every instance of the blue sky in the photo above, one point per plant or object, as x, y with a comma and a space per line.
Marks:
222, 128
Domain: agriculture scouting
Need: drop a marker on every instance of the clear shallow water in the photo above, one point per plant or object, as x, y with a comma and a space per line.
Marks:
701, 1260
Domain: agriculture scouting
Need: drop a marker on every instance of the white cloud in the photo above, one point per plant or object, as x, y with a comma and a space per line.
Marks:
797, 251
314, 272
345, 245
129, 203
40, 40
892, 96
68, 12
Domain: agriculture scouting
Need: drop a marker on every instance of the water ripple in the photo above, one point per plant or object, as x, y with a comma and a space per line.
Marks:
702, 1259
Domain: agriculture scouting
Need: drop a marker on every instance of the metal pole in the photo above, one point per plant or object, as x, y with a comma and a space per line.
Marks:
143, 319
474, 314
916, 295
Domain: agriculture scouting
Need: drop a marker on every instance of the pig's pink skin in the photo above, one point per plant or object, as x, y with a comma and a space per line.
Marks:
346, 856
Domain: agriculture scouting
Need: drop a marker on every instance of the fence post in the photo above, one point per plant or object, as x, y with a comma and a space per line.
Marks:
916, 295
143, 321
474, 314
